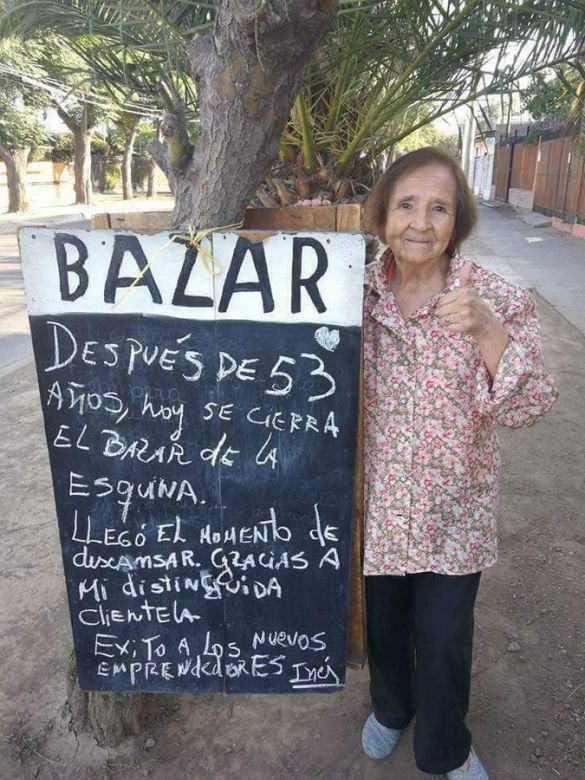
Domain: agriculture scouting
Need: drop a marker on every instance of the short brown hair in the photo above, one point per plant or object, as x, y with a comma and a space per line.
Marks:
376, 206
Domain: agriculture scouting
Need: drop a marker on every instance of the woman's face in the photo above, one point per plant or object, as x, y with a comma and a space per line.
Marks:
421, 215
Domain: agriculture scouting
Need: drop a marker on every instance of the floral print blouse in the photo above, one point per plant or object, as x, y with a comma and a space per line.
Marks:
431, 448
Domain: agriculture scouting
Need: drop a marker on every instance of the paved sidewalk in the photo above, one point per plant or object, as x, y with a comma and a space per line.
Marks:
545, 259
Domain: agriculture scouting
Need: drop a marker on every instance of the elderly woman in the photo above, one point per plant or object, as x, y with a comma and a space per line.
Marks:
451, 349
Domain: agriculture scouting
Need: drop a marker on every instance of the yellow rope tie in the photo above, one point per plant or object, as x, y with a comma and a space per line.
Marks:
192, 239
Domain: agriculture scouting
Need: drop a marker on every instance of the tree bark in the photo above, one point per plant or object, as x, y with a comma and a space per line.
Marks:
16, 163
82, 132
82, 165
151, 191
127, 191
109, 716
248, 73
152, 165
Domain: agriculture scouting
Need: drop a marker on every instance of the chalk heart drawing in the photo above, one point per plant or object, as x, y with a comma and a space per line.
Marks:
328, 339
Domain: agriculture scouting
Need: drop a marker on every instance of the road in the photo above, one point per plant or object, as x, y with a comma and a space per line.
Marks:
545, 259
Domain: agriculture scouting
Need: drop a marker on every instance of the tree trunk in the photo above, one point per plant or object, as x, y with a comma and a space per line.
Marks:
127, 191
82, 146
151, 180
109, 716
16, 163
82, 132
248, 72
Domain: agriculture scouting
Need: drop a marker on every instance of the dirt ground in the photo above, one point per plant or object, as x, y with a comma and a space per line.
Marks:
528, 698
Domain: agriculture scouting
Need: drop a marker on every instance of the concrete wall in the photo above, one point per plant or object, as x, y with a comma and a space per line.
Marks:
47, 184
521, 198
575, 229
51, 184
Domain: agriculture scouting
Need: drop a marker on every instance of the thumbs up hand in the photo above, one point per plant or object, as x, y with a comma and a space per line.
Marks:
463, 310
465, 275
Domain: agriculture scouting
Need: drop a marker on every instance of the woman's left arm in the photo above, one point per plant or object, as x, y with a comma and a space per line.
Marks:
512, 386
521, 391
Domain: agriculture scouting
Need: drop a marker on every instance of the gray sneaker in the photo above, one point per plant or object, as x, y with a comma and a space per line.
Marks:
473, 769
377, 740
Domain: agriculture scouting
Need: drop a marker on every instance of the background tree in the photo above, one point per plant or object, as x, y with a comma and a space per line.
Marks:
61, 145
146, 168
548, 97
20, 131
430, 135
136, 47
81, 118
49, 74
81, 101
21, 122
558, 97
125, 134
129, 126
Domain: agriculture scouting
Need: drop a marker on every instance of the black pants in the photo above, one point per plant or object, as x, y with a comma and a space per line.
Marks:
420, 640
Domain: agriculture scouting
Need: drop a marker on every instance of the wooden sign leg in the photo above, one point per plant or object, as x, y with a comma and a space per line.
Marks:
356, 641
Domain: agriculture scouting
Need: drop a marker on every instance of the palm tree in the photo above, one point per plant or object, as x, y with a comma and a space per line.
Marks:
389, 68
364, 88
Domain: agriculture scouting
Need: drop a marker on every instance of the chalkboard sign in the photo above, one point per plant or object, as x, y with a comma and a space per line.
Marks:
201, 429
